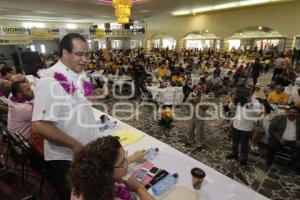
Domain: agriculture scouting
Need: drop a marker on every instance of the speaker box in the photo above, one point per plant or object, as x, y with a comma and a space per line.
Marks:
107, 26
31, 63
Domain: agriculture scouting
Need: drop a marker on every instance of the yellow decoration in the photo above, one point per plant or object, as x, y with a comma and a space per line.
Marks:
127, 136
41, 34
123, 20
117, 3
122, 10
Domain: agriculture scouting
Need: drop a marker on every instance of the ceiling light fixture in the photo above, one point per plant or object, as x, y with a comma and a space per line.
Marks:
225, 6
122, 10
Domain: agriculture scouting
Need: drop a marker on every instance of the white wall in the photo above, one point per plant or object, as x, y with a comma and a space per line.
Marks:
282, 17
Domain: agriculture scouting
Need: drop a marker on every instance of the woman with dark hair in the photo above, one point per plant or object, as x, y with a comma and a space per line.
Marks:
97, 170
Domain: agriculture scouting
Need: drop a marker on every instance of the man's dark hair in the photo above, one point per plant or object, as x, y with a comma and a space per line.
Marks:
15, 88
5, 70
66, 42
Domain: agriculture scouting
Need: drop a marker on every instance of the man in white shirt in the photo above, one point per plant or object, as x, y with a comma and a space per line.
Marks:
258, 94
285, 131
216, 85
242, 128
295, 96
61, 113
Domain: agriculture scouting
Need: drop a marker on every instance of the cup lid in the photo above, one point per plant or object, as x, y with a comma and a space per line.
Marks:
198, 173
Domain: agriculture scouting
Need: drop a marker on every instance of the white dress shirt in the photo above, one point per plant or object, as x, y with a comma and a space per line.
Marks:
72, 114
289, 133
246, 116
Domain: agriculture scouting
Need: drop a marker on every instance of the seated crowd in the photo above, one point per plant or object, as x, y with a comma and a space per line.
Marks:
274, 110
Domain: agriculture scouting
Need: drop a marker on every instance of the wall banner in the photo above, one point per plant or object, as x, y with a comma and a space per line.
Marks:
97, 33
13, 35
41, 34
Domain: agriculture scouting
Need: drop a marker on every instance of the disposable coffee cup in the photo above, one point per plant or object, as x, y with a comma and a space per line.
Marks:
198, 176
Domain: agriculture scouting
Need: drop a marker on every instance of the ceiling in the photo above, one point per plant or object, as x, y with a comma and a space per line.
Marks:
91, 11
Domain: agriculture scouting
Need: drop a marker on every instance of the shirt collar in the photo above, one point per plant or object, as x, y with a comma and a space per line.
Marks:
70, 74
17, 100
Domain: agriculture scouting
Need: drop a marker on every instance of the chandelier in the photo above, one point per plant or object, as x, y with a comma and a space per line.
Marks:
122, 10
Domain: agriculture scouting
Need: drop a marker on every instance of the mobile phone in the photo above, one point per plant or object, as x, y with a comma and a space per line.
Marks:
160, 175
141, 174
153, 171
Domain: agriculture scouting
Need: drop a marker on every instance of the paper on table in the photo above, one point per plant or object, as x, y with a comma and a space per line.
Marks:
178, 193
127, 136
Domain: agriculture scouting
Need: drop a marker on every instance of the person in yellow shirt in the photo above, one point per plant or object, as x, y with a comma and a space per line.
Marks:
177, 79
112, 68
162, 71
287, 62
278, 96
297, 104
166, 117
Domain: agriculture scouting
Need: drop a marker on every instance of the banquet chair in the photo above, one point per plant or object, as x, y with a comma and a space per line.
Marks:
17, 151
211, 96
3, 142
36, 162
21, 152
285, 155
144, 96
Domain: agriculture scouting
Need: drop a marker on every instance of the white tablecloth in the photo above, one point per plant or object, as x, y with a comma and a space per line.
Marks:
196, 79
168, 95
216, 185
114, 78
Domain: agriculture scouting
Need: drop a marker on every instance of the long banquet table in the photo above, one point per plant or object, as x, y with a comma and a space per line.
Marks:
216, 185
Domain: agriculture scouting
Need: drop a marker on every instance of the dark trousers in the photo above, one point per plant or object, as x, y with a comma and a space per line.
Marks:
58, 170
240, 137
185, 96
277, 71
254, 78
274, 146
165, 122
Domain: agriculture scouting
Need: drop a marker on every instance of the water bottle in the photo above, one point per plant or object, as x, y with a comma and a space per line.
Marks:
164, 184
112, 125
103, 126
151, 153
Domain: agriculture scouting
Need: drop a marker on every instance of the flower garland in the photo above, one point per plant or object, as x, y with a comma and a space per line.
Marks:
87, 88
122, 192
17, 100
70, 87
63, 81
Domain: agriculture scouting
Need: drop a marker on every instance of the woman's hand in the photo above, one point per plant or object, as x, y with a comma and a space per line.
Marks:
137, 156
133, 184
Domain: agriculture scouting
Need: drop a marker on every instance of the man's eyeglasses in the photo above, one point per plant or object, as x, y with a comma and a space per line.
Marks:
124, 162
81, 54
